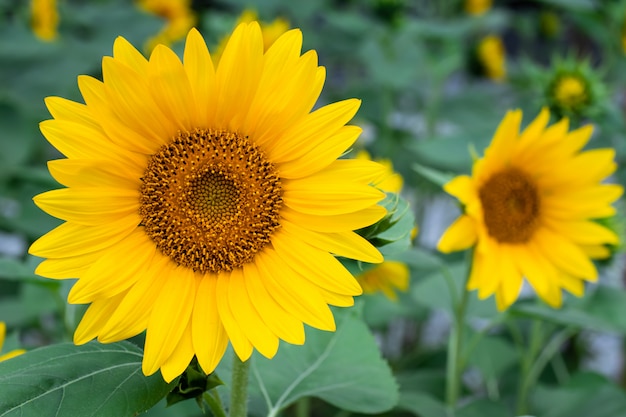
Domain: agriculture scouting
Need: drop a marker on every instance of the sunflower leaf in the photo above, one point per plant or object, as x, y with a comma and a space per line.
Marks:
68, 380
343, 368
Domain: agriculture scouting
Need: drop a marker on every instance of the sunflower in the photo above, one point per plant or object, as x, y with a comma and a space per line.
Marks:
179, 17
44, 19
529, 210
387, 277
205, 205
491, 56
11, 354
477, 7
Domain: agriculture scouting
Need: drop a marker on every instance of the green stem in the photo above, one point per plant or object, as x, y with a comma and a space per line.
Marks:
214, 404
454, 370
454, 367
526, 380
303, 407
239, 388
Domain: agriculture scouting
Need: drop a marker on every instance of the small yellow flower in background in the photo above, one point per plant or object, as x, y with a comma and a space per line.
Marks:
570, 92
529, 208
204, 204
389, 181
477, 7
491, 56
271, 31
179, 18
44, 19
11, 354
573, 88
386, 278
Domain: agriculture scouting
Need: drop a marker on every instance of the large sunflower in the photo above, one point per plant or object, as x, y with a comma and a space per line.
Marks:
205, 205
529, 206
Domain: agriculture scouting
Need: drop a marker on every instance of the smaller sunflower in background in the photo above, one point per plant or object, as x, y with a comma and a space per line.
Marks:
179, 17
389, 276
11, 354
490, 57
573, 88
477, 7
44, 19
529, 211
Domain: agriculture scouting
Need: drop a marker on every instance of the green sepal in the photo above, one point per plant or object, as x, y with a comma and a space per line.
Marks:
192, 384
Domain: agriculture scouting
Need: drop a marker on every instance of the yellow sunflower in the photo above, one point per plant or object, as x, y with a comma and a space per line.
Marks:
11, 354
529, 206
270, 31
179, 17
492, 57
477, 7
387, 277
205, 205
44, 19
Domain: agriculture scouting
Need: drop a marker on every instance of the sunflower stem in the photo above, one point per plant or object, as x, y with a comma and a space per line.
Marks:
534, 343
454, 369
239, 388
214, 404
538, 362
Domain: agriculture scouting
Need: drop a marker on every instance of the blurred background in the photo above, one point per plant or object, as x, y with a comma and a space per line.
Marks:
435, 77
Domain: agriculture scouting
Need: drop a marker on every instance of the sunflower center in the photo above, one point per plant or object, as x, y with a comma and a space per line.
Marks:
511, 206
210, 200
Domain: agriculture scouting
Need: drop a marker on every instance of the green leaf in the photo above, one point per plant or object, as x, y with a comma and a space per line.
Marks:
343, 368
600, 309
492, 356
585, 395
435, 176
422, 404
88, 380
484, 407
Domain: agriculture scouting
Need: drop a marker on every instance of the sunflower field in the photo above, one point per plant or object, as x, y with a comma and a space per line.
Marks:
333, 208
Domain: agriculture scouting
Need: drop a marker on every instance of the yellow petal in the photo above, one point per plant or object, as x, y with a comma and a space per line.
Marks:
315, 131
172, 307
89, 206
180, 358
247, 317
274, 315
208, 334
69, 239
241, 344
319, 158
170, 88
95, 318
283, 283
335, 223
347, 244
462, 187
460, 235
566, 255
201, 75
131, 315
318, 266
126, 53
328, 198
118, 269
